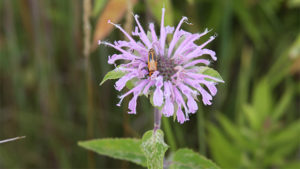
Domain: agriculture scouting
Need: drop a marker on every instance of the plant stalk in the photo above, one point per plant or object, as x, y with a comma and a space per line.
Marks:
157, 119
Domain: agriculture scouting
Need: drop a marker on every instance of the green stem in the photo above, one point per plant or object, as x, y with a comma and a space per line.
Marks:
169, 133
157, 119
201, 131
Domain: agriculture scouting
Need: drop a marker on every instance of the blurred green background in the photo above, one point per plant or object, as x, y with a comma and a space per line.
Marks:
51, 67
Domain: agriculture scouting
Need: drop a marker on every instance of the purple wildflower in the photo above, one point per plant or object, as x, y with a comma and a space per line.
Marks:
177, 82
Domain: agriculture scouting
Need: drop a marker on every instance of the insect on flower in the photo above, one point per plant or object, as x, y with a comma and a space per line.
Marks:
172, 74
152, 62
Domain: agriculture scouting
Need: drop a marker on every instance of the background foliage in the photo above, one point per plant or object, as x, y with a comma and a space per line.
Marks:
49, 85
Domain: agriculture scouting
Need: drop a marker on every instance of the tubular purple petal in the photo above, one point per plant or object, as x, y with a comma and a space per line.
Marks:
139, 88
168, 109
158, 94
146, 89
154, 37
120, 84
199, 48
175, 79
176, 36
180, 115
125, 53
132, 103
211, 87
179, 99
185, 44
191, 103
143, 35
162, 32
194, 62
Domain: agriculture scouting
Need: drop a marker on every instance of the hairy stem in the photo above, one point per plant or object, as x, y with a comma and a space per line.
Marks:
157, 119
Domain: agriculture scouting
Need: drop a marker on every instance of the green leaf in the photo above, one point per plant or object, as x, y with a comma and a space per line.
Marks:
278, 155
114, 74
124, 149
234, 132
188, 159
154, 148
223, 151
251, 116
262, 100
210, 72
283, 104
286, 135
131, 83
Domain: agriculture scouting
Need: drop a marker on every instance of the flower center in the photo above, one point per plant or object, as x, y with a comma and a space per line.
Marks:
165, 66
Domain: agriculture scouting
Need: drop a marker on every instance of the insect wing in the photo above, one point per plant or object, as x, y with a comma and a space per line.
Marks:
151, 56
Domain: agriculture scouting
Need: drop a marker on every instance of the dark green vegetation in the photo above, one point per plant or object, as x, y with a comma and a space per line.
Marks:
49, 87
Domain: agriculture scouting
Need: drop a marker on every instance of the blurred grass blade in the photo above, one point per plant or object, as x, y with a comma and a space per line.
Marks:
155, 6
287, 135
247, 21
201, 130
286, 63
223, 151
243, 82
114, 11
283, 104
294, 50
169, 133
12, 139
251, 116
233, 131
98, 5
262, 99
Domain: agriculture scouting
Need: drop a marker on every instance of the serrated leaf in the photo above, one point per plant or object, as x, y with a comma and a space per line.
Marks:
210, 72
188, 159
114, 74
123, 149
154, 148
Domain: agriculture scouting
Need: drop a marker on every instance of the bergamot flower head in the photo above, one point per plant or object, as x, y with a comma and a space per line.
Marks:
172, 74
